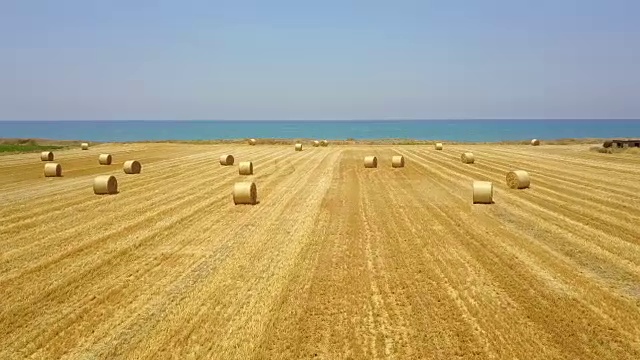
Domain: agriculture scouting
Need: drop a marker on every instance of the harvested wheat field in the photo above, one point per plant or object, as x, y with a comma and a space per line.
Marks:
335, 261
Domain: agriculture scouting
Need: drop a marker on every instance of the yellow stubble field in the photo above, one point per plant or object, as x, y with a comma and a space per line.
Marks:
336, 261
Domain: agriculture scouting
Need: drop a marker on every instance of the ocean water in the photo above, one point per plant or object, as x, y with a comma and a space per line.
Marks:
452, 130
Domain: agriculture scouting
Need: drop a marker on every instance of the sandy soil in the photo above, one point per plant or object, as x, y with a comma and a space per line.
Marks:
336, 261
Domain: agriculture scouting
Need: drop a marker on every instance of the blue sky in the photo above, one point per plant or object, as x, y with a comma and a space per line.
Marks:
276, 59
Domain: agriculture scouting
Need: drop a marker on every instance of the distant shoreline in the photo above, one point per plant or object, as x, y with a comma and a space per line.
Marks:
288, 141
347, 132
327, 120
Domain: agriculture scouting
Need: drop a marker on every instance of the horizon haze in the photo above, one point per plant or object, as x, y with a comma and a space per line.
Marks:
356, 60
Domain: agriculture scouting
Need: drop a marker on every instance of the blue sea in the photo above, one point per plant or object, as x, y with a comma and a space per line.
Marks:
452, 130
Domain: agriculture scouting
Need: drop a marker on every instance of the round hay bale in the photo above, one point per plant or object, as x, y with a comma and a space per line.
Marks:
298, 147
607, 144
482, 192
370, 162
324, 143
468, 158
252, 141
132, 167
438, 146
245, 193
316, 143
84, 146
397, 161
105, 185
518, 179
52, 170
535, 142
226, 160
245, 168
105, 159
46, 156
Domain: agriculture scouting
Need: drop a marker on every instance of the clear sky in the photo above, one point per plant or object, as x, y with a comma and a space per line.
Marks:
324, 59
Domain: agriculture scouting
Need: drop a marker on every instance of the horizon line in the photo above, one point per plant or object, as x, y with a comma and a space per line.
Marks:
335, 120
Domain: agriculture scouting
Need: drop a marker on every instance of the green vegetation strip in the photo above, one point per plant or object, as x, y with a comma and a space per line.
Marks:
13, 148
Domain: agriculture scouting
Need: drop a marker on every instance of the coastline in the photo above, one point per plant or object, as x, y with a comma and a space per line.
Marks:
354, 132
289, 141
10, 146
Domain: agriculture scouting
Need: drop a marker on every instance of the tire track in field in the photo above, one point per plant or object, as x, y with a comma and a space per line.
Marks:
331, 318
483, 244
500, 329
119, 257
611, 247
286, 337
585, 169
604, 240
562, 174
223, 298
298, 329
49, 186
576, 201
609, 202
618, 224
617, 322
87, 164
339, 262
31, 249
141, 183
120, 227
182, 166
580, 159
89, 247
41, 185
130, 315
603, 252
386, 190
548, 207
110, 329
380, 341
22, 173
450, 271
